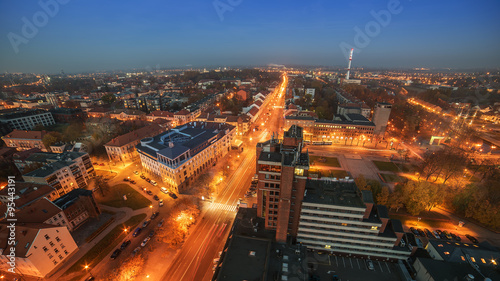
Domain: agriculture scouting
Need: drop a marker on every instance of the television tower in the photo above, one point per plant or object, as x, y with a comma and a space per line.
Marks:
349, 67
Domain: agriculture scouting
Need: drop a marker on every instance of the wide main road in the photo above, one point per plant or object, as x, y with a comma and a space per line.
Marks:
194, 261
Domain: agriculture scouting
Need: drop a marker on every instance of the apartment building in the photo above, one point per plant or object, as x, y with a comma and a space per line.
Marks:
337, 217
181, 154
78, 206
25, 140
282, 171
26, 119
40, 248
122, 148
62, 171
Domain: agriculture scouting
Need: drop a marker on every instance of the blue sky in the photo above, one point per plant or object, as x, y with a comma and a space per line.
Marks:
96, 35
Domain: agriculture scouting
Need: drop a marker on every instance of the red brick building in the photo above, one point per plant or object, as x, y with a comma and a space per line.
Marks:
282, 172
24, 140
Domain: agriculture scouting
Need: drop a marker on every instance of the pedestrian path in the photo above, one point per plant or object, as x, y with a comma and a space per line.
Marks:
219, 206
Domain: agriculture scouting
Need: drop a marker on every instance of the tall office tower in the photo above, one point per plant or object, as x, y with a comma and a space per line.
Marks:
282, 171
381, 115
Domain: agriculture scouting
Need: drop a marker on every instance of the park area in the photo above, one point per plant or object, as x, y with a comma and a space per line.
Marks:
324, 161
114, 198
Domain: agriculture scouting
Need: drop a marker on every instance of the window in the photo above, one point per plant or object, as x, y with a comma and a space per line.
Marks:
60, 257
446, 253
45, 249
463, 258
57, 239
46, 237
56, 250
483, 260
65, 252
51, 244
472, 259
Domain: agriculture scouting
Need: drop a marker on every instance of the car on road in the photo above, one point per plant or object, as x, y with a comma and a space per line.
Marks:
95, 163
125, 179
156, 198
135, 172
160, 203
160, 224
143, 177
173, 195
164, 190
135, 251
115, 254
149, 192
370, 265
145, 223
125, 244
145, 241
101, 164
151, 233
471, 238
136, 232
154, 215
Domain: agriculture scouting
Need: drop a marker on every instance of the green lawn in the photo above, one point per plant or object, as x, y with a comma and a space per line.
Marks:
114, 198
325, 161
337, 174
391, 178
386, 166
104, 247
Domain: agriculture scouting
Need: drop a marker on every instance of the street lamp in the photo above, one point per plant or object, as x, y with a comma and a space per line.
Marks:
87, 269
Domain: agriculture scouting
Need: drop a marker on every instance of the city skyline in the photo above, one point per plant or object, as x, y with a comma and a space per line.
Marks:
89, 36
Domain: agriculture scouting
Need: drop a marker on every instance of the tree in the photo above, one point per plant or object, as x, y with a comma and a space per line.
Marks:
73, 132
39, 127
128, 270
361, 182
108, 98
101, 184
383, 197
395, 200
51, 138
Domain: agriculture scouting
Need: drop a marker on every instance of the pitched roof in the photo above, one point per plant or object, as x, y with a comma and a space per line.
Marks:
159, 113
28, 192
20, 134
253, 111
25, 235
38, 211
136, 135
182, 112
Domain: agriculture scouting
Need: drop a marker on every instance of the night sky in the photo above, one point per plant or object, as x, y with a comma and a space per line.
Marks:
96, 35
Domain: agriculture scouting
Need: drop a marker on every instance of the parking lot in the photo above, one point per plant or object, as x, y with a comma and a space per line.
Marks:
351, 269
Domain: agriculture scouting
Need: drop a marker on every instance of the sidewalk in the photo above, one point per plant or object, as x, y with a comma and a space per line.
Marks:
123, 214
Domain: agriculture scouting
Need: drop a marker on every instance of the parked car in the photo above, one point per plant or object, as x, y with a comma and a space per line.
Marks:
135, 251
471, 238
143, 177
135, 172
149, 192
414, 231
136, 232
145, 241
370, 265
151, 233
164, 190
436, 235
148, 180
173, 195
421, 232
145, 223
156, 198
428, 233
447, 235
154, 215
160, 224
102, 164
115, 254
125, 179
160, 203
132, 181
91, 278
125, 244
455, 237
153, 183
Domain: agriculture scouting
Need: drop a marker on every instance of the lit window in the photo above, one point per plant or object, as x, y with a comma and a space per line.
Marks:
328, 247
472, 259
483, 260
446, 253
344, 224
440, 245
374, 227
463, 258
494, 262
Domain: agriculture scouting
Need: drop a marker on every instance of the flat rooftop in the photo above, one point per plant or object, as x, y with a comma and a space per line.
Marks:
337, 193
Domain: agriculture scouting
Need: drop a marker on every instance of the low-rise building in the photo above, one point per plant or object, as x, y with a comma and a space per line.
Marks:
26, 193
40, 248
181, 154
78, 206
122, 148
24, 140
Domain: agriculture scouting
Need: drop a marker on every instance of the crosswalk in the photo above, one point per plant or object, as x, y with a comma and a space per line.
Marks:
219, 206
